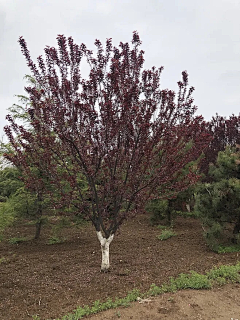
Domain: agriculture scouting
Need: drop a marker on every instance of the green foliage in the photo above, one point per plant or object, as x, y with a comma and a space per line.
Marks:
228, 249
3, 260
20, 205
79, 221
165, 211
186, 214
158, 209
18, 202
193, 280
161, 227
16, 240
166, 234
9, 182
55, 240
6, 216
227, 272
218, 202
59, 225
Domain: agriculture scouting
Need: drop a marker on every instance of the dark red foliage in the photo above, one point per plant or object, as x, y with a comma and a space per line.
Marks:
224, 132
128, 139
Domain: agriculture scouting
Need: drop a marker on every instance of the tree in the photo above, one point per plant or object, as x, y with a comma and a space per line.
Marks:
224, 132
129, 139
29, 200
165, 211
218, 202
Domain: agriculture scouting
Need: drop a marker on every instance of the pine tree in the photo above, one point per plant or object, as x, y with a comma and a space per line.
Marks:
218, 202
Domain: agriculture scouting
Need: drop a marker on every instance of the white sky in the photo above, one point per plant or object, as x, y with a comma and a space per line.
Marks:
202, 37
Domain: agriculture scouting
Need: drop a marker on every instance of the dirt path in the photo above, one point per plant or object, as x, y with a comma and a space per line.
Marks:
216, 304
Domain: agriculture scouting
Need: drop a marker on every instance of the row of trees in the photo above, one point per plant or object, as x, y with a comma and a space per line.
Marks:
107, 144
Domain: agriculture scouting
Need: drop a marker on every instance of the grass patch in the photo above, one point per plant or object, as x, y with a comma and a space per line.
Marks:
193, 280
16, 240
3, 260
228, 249
228, 273
166, 234
187, 214
161, 227
55, 240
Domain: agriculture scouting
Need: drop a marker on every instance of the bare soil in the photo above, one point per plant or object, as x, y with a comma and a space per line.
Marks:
52, 280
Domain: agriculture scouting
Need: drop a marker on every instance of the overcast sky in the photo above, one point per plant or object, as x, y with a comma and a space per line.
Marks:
202, 37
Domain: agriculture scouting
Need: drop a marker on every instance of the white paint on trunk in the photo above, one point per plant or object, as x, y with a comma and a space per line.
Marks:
105, 243
188, 207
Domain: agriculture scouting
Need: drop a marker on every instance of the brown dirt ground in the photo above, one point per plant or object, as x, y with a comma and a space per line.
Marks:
52, 280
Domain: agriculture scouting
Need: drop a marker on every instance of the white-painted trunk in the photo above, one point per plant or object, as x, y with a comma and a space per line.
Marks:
188, 207
105, 243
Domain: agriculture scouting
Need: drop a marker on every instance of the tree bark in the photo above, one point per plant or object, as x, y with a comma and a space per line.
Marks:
39, 215
105, 243
38, 229
236, 231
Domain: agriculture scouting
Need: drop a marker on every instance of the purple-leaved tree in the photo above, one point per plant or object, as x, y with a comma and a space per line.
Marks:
117, 129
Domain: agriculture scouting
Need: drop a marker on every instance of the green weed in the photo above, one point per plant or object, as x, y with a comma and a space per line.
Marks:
3, 260
228, 249
16, 240
229, 273
161, 227
55, 240
193, 280
166, 234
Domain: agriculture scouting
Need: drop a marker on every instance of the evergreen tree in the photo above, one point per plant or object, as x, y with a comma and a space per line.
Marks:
218, 202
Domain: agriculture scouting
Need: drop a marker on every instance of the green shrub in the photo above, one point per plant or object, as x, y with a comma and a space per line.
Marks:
6, 216
158, 209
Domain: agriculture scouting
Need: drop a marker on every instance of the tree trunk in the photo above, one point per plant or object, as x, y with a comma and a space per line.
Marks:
169, 216
38, 229
39, 215
105, 243
188, 207
236, 231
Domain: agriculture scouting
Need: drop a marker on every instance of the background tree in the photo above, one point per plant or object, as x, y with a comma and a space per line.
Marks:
118, 129
165, 211
32, 198
225, 132
218, 202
